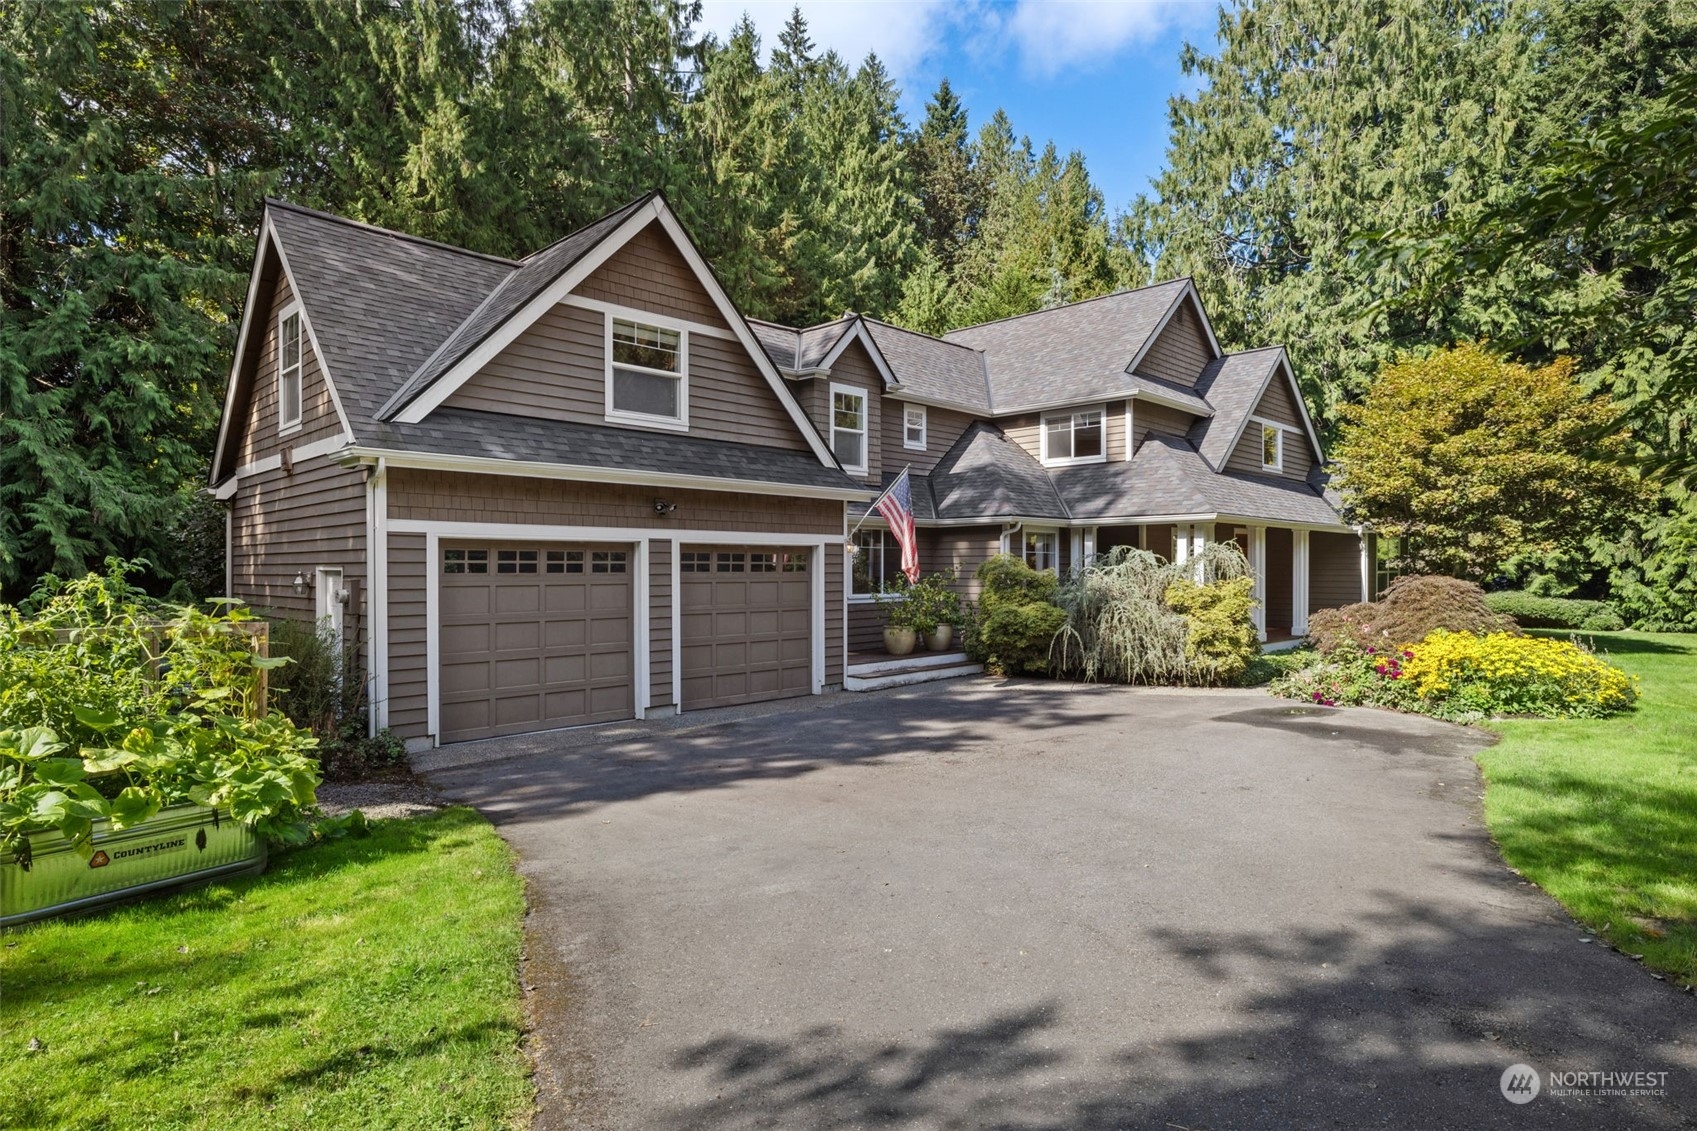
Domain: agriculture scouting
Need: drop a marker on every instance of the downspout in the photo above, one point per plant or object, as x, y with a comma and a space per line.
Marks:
378, 619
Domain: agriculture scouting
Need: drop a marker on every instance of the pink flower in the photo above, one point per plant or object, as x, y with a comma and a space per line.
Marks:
1318, 697
1371, 650
1408, 655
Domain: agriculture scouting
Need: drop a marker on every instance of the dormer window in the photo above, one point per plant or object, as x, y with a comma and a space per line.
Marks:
1272, 447
1073, 437
848, 427
913, 427
647, 374
289, 370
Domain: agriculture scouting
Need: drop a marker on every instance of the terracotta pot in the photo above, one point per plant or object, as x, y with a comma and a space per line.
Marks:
900, 641
940, 640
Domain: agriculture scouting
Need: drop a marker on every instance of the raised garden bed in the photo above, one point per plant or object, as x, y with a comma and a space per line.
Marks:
181, 844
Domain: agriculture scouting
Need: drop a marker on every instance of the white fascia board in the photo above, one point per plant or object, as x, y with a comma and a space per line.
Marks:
532, 469
431, 396
241, 343
1340, 527
312, 336
1301, 406
858, 332
1169, 402
1187, 294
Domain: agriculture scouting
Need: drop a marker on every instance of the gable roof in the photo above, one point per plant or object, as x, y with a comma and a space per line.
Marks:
932, 369
1234, 385
1068, 354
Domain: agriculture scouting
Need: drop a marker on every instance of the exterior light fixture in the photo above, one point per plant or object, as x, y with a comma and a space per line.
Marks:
300, 585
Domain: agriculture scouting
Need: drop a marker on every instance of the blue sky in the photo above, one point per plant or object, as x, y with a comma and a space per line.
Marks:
1093, 75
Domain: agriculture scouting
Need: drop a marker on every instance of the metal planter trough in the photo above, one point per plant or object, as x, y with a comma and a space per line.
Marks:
183, 844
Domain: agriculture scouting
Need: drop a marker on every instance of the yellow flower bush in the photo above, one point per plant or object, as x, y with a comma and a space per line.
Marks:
1499, 673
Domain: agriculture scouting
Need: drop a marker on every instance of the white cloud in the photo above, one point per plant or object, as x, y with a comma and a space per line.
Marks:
1052, 36
902, 33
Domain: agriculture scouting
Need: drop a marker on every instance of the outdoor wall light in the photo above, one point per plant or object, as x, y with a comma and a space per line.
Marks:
661, 506
300, 585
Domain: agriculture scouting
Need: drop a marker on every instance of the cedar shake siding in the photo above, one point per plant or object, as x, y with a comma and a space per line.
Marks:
556, 369
1181, 351
1334, 570
943, 426
866, 621
649, 273
259, 435
1277, 406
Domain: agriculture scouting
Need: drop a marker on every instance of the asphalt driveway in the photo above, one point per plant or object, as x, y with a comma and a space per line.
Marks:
1034, 906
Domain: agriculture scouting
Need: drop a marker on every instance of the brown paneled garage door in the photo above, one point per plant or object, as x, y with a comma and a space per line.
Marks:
747, 624
533, 637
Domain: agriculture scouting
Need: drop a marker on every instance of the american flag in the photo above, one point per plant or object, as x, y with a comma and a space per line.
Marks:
897, 508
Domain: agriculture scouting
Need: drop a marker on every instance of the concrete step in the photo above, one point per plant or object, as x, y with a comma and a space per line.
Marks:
916, 662
911, 676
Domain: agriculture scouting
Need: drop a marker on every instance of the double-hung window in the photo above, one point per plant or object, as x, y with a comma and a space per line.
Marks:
647, 374
1073, 437
848, 427
1272, 447
877, 566
289, 370
913, 427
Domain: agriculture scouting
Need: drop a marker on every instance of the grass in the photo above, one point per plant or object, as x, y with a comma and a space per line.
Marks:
1602, 813
368, 983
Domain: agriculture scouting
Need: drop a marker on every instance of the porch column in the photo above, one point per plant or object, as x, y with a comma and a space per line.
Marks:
1076, 550
1181, 544
1299, 583
1089, 543
1258, 571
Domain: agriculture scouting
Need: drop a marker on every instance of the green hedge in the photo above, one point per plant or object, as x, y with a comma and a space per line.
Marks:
1529, 610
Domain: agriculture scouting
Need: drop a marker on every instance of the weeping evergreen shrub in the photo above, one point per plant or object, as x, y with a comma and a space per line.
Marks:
1132, 617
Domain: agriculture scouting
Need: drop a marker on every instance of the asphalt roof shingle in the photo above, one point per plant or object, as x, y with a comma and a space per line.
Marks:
1233, 384
931, 368
987, 475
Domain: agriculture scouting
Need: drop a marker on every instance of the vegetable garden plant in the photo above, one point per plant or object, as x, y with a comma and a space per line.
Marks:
112, 708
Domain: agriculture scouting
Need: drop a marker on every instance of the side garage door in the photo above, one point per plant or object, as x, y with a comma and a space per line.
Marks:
533, 637
747, 624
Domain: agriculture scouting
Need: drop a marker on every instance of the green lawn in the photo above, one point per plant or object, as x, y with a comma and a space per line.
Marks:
1602, 814
362, 983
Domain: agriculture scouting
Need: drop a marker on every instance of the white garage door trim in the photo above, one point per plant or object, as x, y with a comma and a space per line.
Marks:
638, 539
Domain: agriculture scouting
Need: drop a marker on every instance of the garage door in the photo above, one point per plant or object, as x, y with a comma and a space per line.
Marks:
746, 619
533, 637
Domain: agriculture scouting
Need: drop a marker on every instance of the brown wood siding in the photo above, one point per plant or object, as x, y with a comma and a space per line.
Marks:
1276, 405
1025, 430
284, 523
409, 708
855, 368
1278, 580
1147, 418
1115, 435
650, 273
943, 427
556, 369
1181, 351
960, 548
835, 628
451, 496
1158, 540
1334, 570
866, 620
259, 437
660, 622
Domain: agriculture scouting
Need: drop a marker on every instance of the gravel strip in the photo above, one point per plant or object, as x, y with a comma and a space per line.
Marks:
379, 800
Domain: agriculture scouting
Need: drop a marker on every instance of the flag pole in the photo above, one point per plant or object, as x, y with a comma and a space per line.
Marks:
873, 506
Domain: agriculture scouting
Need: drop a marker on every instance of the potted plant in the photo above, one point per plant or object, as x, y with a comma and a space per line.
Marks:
936, 610
900, 634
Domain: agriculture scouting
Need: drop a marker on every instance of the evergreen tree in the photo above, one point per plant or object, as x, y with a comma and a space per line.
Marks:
951, 195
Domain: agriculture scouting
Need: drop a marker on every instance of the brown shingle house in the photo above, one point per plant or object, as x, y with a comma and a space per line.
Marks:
582, 487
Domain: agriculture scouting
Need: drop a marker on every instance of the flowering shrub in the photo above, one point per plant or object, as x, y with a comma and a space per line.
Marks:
1504, 674
1467, 676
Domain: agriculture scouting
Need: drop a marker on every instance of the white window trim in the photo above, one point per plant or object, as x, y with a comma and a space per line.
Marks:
642, 419
882, 594
290, 427
865, 424
924, 427
1100, 410
1261, 442
1050, 532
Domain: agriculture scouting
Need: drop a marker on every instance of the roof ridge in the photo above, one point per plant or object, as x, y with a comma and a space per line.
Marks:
320, 214
1071, 305
628, 206
921, 333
